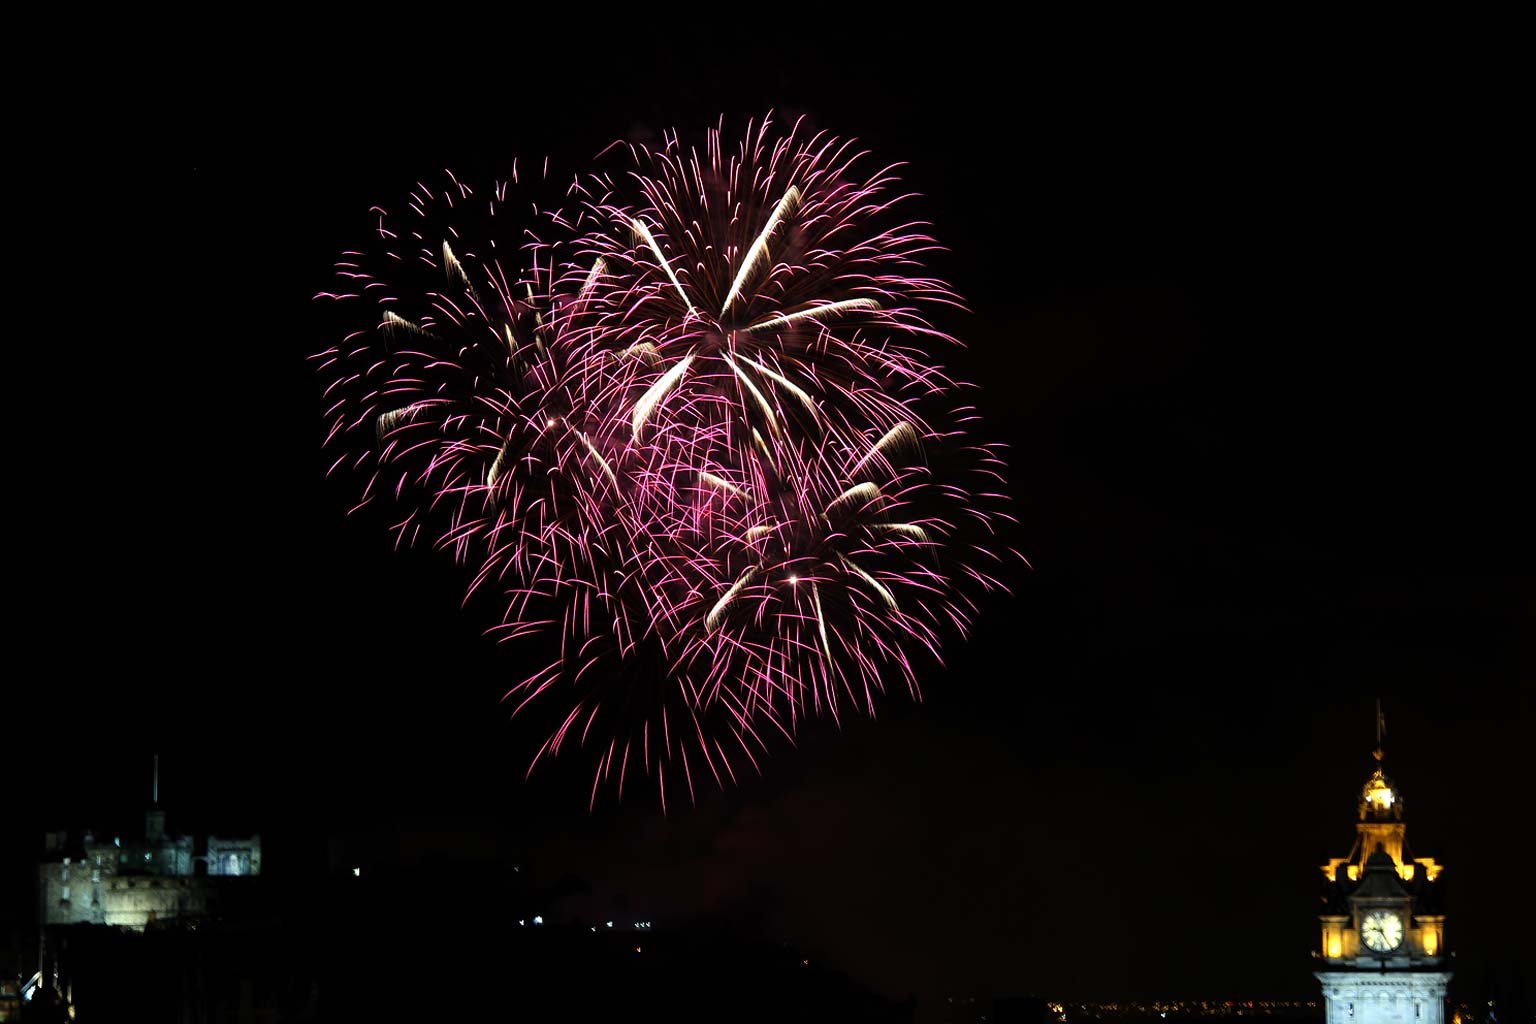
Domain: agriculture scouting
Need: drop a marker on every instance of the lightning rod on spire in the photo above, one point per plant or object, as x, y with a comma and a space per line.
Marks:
1381, 729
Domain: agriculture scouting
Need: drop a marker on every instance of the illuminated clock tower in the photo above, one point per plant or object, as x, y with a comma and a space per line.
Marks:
1382, 930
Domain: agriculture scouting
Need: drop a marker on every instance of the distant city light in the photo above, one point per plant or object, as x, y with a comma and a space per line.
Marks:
610, 924
357, 872
1203, 1009
538, 919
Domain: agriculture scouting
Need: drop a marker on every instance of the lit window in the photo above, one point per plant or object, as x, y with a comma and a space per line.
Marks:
1378, 791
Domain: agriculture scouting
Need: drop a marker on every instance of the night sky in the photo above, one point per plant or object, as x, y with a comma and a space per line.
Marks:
1239, 321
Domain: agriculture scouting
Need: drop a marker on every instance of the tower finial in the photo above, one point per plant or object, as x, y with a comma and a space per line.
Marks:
1381, 730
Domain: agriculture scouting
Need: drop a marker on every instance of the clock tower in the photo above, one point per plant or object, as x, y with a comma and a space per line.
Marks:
1383, 934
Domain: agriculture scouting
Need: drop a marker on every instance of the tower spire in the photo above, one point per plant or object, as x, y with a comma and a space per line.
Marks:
1381, 731
155, 786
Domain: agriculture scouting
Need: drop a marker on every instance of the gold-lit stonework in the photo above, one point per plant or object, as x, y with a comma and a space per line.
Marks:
1382, 933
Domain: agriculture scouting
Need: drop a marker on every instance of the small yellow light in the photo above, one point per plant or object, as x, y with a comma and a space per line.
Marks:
1335, 946
1431, 942
1378, 791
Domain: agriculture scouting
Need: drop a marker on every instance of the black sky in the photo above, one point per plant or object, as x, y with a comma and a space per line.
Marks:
1239, 318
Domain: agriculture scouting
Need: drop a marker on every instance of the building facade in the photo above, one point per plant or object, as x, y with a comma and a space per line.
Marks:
131, 883
1382, 926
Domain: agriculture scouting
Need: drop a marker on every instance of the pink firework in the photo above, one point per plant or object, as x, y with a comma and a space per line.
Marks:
690, 428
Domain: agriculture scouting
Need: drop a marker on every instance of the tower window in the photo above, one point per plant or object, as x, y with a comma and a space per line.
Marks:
229, 862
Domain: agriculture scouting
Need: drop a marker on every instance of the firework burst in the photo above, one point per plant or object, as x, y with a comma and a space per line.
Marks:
690, 428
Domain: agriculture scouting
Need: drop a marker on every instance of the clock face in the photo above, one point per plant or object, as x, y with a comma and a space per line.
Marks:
1382, 931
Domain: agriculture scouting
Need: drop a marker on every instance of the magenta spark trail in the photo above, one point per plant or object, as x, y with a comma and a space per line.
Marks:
683, 415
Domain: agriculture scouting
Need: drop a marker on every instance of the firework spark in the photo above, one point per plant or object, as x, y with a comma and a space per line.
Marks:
690, 428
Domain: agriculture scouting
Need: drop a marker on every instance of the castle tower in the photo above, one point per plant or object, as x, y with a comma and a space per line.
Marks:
1383, 933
